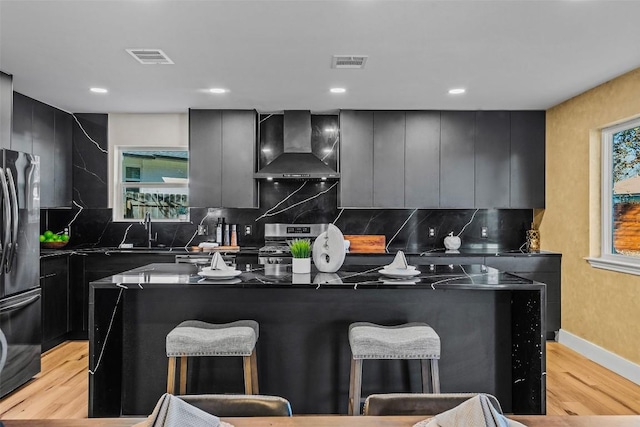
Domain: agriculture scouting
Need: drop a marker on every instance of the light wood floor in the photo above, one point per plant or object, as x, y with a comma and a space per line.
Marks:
575, 386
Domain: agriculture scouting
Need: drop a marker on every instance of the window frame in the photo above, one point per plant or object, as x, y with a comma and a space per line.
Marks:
609, 260
119, 183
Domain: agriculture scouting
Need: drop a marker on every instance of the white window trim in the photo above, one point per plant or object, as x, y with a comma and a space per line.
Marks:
118, 184
608, 260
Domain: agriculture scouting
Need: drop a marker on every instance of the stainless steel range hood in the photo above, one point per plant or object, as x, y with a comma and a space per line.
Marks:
297, 161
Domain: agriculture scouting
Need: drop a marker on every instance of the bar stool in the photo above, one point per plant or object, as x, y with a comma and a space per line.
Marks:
407, 341
194, 338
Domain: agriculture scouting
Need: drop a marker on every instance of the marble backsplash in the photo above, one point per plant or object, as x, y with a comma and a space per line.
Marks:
313, 202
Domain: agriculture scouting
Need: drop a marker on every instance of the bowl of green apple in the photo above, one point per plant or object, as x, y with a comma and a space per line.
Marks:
51, 240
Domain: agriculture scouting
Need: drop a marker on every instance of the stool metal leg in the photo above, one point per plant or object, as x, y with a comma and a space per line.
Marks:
435, 376
356, 386
254, 372
171, 376
183, 375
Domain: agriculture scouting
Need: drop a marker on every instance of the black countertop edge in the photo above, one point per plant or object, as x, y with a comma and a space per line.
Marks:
469, 277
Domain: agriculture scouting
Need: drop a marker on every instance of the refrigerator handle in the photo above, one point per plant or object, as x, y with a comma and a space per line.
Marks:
15, 218
4, 346
6, 225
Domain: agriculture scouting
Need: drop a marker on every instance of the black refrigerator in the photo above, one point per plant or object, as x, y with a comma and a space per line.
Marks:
20, 298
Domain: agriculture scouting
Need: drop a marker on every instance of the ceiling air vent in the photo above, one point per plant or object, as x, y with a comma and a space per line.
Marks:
150, 56
348, 61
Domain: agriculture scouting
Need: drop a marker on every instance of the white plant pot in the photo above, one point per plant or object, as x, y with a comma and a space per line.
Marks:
301, 265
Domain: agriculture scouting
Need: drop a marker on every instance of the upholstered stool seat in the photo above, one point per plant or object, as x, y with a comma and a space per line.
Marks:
194, 338
407, 341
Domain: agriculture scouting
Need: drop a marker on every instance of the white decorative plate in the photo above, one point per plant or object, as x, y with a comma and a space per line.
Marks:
399, 272
218, 274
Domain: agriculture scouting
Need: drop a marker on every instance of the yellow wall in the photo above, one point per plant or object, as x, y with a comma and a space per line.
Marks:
600, 306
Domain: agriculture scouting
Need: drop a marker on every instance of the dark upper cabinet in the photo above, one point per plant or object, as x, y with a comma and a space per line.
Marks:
22, 134
492, 159
222, 158
43, 146
356, 159
422, 159
6, 109
388, 158
527, 159
442, 159
62, 159
205, 154
239, 159
457, 159
46, 132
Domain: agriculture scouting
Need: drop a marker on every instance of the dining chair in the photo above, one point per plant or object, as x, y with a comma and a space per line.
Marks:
418, 403
240, 405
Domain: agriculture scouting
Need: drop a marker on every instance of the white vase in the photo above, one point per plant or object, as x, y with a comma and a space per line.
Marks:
452, 243
301, 265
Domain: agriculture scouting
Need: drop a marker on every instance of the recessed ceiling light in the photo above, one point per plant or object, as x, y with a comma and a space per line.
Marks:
327, 150
269, 178
98, 90
218, 90
457, 91
266, 150
338, 90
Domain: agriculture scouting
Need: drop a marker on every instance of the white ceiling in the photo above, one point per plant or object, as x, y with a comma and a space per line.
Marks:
275, 55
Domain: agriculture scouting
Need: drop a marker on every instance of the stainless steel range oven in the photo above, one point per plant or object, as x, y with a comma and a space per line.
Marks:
277, 238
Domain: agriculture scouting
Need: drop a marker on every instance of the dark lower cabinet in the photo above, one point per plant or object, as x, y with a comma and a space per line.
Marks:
54, 281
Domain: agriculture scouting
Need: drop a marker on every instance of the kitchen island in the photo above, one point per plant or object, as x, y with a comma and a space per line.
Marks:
491, 326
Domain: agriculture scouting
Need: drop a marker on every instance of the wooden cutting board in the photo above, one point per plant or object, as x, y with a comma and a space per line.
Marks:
366, 243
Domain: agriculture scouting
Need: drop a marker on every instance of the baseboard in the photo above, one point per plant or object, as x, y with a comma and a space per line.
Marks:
601, 356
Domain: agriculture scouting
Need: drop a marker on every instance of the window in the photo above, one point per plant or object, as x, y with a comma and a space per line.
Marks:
620, 250
151, 180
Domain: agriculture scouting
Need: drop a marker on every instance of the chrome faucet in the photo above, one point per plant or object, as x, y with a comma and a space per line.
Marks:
147, 226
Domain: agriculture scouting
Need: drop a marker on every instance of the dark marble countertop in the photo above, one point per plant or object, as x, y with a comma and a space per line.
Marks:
349, 277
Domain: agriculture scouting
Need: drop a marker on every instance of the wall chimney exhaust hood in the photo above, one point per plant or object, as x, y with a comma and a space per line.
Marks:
297, 161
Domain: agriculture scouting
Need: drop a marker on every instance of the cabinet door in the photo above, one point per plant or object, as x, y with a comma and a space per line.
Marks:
6, 109
388, 159
62, 161
492, 163
356, 152
55, 296
527, 159
422, 159
21, 136
457, 172
43, 146
205, 153
239, 188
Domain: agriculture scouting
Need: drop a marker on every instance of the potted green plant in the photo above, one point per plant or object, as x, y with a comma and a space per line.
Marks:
301, 253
